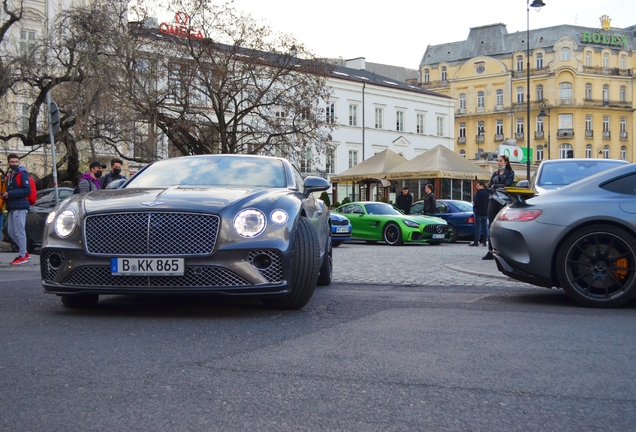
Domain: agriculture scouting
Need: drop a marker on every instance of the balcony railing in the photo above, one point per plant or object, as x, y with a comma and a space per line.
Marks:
597, 103
533, 72
589, 133
499, 107
566, 102
480, 138
461, 111
519, 135
607, 134
499, 137
607, 71
538, 134
461, 140
565, 133
623, 135
480, 109
436, 84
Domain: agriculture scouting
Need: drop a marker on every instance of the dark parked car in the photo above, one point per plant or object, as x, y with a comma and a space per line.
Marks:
340, 229
581, 238
37, 216
219, 224
458, 214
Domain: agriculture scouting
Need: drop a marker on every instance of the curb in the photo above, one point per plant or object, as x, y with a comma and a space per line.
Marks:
479, 273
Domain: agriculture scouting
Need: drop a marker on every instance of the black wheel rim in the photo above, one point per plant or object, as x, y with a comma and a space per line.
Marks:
600, 266
391, 234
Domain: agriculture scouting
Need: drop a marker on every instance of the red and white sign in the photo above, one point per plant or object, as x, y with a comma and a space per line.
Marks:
180, 27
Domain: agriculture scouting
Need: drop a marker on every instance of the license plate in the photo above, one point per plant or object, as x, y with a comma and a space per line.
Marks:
147, 266
342, 230
436, 236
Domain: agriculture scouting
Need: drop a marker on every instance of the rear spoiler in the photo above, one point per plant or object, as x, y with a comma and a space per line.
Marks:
518, 194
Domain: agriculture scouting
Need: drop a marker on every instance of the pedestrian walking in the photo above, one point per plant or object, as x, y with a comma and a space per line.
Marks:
17, 189
90, 180
114, 174
480, 211
504, 176
430, 204
404, 201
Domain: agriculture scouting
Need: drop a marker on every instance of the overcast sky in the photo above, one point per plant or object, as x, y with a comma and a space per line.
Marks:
397, 32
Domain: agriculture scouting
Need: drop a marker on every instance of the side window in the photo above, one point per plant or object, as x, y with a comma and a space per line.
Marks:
624, 185
417, 207
298, 179
356, 209
442, 208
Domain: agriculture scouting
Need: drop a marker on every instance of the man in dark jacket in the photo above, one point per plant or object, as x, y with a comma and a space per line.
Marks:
480, 210
114, 174
404, 201
430, 204
15, 198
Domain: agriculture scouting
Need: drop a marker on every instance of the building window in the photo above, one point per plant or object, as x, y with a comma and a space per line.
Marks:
440, 126
379, 118
605, 60
565, 121
353, 158
623, 62
606, 123
519, 63
588, 58
623, 94
420, 123
539, 64
353, 115
499, 127
462, 153
565, 151
539, 93
539, 124
588, 151
539, 153
605, 94
443, 73
519, 95
330, 161
330, 112
305, 165
519, 126
462, 129
588, 91
623, 124
426, 78
462, 101
399, 121
480, 99
623, 152
24, 118
565, 54
27, 41
565, 93
499, 98
606, 151
480, 128
588, 122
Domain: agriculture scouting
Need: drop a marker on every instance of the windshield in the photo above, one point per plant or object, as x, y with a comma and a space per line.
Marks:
381, 209
243, 171
564, 173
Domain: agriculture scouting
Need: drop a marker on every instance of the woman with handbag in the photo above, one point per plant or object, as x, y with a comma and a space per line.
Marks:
504, 176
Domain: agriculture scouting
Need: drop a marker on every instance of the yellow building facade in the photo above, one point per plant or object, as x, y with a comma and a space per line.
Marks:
581, 81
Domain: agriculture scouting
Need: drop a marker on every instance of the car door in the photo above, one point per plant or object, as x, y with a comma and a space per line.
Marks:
443, 211
355, 213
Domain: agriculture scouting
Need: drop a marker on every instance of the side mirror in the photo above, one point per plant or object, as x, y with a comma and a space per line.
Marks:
315, 184
523, 184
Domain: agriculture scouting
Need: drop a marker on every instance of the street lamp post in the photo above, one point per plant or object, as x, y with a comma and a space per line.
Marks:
537, 4
545, 105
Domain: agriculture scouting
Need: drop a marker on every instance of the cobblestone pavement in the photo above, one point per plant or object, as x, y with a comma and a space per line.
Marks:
446, 264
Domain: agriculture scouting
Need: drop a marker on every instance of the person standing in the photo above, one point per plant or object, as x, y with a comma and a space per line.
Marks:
15, 198
480, 210
430, 204
504, 176
114, 174
90, 180
404, 201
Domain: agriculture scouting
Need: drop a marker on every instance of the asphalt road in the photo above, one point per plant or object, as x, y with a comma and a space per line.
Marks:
428, 351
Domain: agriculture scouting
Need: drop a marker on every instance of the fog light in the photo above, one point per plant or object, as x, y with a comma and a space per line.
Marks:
262, 261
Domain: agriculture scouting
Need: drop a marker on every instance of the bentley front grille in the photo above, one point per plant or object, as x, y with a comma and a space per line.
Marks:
150, 233
96, 276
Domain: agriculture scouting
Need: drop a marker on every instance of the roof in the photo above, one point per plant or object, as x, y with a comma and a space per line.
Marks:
439, 162
494, 40
373, 168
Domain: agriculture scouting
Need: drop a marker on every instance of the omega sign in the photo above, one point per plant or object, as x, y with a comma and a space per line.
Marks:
180, 27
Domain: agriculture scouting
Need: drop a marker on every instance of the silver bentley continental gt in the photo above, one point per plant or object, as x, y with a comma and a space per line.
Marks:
581, 238
235, 225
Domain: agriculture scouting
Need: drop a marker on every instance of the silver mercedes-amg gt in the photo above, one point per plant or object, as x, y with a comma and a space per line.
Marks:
581, 238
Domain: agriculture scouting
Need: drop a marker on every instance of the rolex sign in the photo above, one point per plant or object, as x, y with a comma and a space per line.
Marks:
515, 153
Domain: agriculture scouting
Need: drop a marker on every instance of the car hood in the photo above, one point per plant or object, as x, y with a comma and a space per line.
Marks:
210, 200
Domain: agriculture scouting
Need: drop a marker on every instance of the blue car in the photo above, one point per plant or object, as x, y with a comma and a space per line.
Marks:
340, 229
458, 214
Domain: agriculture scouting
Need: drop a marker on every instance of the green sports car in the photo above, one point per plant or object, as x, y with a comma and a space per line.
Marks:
377, 221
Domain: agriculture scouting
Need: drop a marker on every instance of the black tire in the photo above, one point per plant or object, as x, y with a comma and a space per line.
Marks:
80, 300
452, 233
392, 234
326, 269
596, 266
305, 266
336, 244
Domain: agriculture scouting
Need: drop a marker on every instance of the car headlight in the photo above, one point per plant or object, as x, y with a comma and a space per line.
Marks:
249, 223
279, 217
65, 223
410, 223
50, 217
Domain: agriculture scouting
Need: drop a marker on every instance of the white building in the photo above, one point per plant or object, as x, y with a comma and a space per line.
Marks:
373, 113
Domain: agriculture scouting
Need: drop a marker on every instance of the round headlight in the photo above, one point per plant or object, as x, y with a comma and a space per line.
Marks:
279, 217
65, 223
50, 217
249, 223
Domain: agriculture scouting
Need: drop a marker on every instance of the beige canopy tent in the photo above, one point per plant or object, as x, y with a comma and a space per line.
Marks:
438, 162
372, 169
